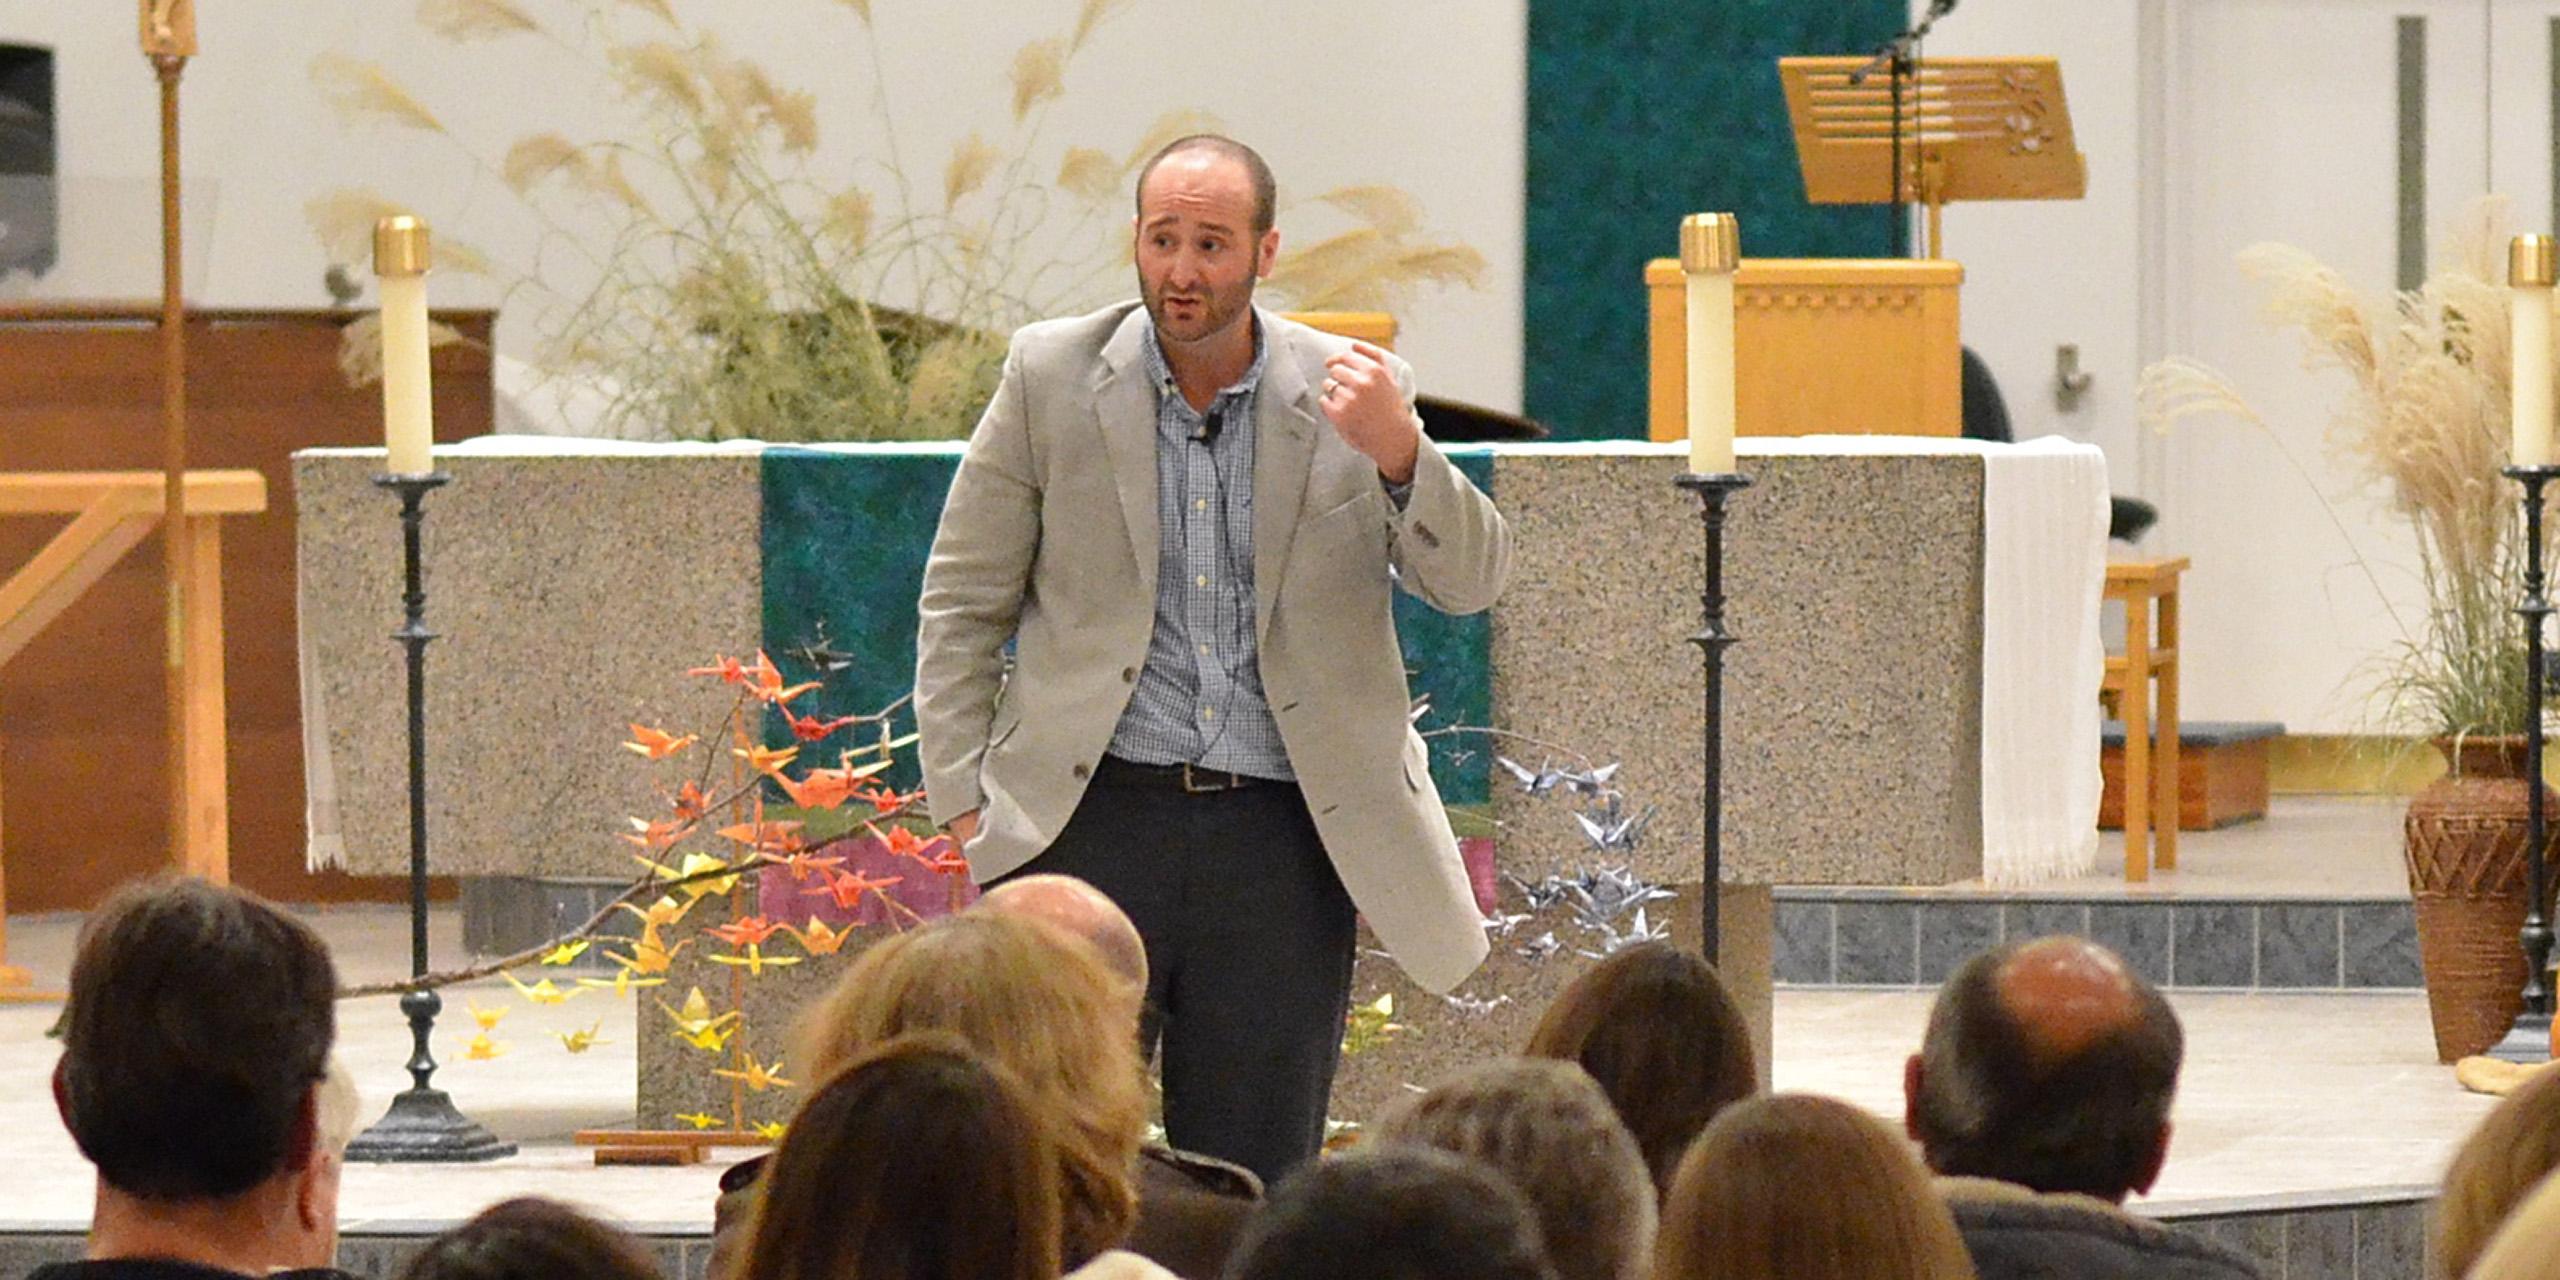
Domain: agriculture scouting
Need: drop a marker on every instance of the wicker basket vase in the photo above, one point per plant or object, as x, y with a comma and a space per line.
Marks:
2465, 847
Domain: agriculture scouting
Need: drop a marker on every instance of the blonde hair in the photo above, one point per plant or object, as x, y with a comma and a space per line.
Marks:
1798, 1187
2516, 1146
1547, 1126
1039, 1003
2528, 1246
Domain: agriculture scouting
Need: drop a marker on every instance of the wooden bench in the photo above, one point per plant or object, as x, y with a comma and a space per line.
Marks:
2222, 772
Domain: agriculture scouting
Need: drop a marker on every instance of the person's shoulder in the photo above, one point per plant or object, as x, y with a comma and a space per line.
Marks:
1070, 337
2011, 1230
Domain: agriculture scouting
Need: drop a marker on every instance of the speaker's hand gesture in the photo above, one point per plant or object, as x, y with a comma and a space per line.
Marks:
1368, 411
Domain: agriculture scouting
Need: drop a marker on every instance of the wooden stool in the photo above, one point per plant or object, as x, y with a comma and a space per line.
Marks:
2150, 660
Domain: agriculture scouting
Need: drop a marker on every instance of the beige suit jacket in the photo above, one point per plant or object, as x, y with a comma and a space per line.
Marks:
1048, 539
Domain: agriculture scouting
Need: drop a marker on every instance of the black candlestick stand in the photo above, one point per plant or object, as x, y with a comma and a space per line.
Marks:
2529, 1040
422, 1125
1712, 640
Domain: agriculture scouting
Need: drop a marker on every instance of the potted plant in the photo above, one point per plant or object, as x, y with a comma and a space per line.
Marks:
2427, 421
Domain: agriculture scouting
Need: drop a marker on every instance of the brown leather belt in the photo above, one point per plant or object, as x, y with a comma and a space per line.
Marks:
1190, 778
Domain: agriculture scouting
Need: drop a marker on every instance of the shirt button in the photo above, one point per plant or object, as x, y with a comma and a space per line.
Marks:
1199, 504
1208, 713
1204, 650
1201, 581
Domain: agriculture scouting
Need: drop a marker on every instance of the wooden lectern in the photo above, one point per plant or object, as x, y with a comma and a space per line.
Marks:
1848, 346
1972, 129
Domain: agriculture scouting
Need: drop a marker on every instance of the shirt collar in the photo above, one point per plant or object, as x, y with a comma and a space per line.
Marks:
1160, 370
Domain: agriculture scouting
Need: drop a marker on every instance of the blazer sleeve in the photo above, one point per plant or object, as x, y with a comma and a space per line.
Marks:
974, 580
1449, 546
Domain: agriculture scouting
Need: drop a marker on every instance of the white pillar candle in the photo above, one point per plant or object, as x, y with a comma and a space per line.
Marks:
1710, 252
2529, 277
408, 410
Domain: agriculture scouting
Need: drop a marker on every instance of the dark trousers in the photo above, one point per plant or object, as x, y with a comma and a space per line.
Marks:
1249, 945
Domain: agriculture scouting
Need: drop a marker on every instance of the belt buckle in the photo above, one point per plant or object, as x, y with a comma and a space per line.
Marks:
1192, 786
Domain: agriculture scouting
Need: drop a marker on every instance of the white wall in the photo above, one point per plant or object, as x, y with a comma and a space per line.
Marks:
1426, 95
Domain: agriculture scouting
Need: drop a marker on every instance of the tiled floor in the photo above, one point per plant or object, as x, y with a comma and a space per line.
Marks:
2283, 1093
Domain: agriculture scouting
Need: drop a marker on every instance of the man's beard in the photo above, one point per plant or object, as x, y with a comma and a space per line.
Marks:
1215, 311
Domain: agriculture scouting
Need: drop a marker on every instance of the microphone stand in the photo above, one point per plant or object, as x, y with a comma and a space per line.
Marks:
1896, 56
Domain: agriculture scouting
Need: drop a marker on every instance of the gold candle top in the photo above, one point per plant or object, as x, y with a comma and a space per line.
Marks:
400, 246
1710, 242
2533, 261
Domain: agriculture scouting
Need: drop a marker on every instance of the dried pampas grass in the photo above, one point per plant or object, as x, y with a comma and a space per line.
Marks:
343, 221
1089, 174
1039, 75
657, 9
475, 19
358, 90
1169, 126
2426, 426
661, 71
848, 220
972, 163
1089, 18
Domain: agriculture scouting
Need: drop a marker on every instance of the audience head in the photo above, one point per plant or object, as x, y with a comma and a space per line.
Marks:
917, 1161
1393, 1212
2515, 1147
2049, 1064
1656, 1027
1547, 1127
2528, 1246
532, 1239
198, 1024
1797, 1187
1040, 1005
1080, 909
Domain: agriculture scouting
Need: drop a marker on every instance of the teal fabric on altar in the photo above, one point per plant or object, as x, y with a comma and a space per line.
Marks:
845, 535
1641, 112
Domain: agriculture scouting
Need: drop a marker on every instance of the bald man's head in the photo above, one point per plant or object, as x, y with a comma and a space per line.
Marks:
2050, 1064
1080, 909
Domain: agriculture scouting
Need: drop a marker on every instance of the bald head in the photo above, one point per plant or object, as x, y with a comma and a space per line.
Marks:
1080, 909
2050, 1064
2066, 994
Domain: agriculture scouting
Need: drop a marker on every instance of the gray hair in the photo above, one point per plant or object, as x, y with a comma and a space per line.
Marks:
1547, 1127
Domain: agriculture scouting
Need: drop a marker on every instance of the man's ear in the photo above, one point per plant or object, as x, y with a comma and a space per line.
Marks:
2151, 1169
61, 1093
1266, 253
1913, 1074
302, 1147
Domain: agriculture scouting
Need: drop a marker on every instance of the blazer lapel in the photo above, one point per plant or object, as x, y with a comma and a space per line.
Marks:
1126, 408
1285, 431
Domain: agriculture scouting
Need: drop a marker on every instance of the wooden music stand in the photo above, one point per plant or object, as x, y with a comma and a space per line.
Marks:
1972, 129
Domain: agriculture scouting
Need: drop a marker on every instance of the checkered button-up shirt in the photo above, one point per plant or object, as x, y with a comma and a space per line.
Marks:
1199, 697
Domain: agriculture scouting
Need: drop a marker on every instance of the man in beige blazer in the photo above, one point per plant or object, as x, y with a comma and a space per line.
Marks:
1188, 516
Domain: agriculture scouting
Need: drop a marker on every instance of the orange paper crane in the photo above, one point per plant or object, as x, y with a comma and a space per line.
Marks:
847, 888
657, 744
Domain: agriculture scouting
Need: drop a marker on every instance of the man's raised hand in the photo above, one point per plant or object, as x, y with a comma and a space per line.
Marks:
1368, 411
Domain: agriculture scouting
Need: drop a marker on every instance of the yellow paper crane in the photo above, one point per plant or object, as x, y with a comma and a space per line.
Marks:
487, 1018
581, 1041
621, 982
696, 1025
543, 992
699, 1119
769, 1130
482, 1048
757, 1077
566, 952
665, 911
649, 954
755, 961
694, 864
819, 939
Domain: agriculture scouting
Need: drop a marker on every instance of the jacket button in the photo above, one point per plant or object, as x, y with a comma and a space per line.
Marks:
1083, 771
1128, 675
